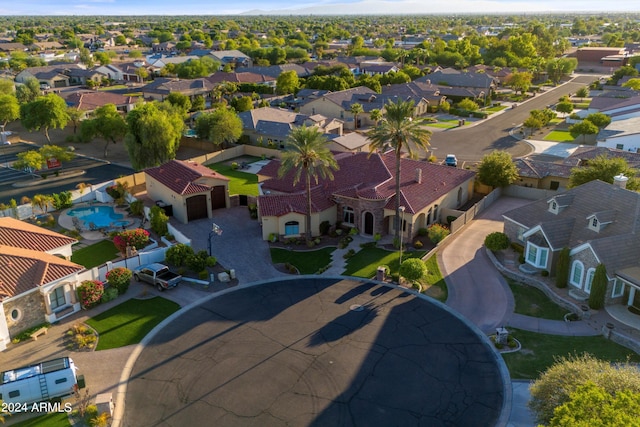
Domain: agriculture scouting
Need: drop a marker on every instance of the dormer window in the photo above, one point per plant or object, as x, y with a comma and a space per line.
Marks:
553, 207
594, 223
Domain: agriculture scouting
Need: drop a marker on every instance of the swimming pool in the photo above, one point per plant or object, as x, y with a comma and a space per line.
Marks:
100, 216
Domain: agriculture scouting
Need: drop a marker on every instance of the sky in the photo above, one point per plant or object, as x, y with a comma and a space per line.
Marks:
306, 7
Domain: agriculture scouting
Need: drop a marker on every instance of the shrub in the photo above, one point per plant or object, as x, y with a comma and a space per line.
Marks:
496, 241
598, 288
197, 261
136, 207
203, 275
138, 238
413, 269
353, 231
417, 244
81, 336
517, 247
119, 278
90, 293
211, 261
253, 210
324, 227
377, 237
234, 165
159, 219
562, 268
422, 231
451, 218
544, 273
273, 237
437, 232
177, 255
109, 295
62, 200
349, 254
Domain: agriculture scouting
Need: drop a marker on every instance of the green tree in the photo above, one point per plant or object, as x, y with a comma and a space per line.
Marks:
375, 115
7, 87
108, 123
565, 107
180, 100
28, 91
61, 154
532, 123
29, 160
75, 116
413, 269
356, 109
222, 126
582, 93
468, 105
497, 169
560, 67
598, 288
583, 128
242, 103
287, 83
604, 168
601, 120
632, 83
520, 81
400, 131
554, 386
591, 405
496, 241
306, 154
49, 111
9, 109
198, 103
42, 202
562, 268
153, 135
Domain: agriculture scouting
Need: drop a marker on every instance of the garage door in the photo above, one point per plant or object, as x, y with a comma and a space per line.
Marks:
218, 199
196, 207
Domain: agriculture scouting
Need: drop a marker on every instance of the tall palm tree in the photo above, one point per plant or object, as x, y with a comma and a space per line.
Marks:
306, 152
375, 115
356, 109
399, 131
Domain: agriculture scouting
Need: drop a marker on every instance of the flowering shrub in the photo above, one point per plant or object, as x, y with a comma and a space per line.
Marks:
138, 238
437, 232
90, 292
119, 278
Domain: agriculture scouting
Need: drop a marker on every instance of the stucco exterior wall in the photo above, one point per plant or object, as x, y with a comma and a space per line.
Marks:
157, 191
326, 108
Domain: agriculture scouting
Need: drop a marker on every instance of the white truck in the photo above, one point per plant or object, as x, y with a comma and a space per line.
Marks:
157, 275
36, 383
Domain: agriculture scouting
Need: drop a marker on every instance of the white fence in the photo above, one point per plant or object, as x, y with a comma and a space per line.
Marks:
141, 258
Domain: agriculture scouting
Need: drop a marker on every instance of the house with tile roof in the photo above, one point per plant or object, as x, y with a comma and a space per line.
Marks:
88, 101
192, 190
271, 126
160, 88
362, 195
233, 57
582, 155
242, 77
53, 75
599, 223
621, 134
543, 175
37, 281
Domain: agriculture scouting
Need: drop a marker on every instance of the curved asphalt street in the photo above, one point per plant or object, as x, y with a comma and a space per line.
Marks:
471, 143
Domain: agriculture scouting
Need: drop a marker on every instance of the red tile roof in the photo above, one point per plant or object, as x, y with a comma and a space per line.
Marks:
363, 176
180, 176
23, 269
20, 234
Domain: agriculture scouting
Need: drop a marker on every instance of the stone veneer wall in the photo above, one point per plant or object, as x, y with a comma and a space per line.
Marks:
32, 311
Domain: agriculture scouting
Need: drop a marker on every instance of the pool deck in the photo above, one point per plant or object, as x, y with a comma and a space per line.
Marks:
65, 220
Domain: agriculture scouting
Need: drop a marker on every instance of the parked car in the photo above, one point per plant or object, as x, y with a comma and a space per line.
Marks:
157, 275
451, 160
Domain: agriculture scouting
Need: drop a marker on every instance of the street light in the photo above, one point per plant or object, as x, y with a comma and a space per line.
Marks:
401, 231
215, 230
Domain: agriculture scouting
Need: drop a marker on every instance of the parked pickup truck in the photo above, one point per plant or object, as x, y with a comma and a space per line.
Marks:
158, 275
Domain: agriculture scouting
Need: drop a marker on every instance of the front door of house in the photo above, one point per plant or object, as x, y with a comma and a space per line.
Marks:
368, 223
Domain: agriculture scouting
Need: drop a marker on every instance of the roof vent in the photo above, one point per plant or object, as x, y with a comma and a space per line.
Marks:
620, 181
419, 175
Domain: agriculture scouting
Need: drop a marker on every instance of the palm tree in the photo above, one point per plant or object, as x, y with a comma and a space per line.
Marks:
355, 110
375, 115
306, 151
42, 201
399, 131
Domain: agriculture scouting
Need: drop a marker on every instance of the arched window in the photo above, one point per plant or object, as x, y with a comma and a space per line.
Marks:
291, 228
577, 271
589, 281
348, 216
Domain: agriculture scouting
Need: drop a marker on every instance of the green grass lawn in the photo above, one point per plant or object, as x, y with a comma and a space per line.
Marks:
55, 419
307, 262
495, 109
443, 125
539, 350
533, 302
365, 262
130, 321
559, 136
96, 254
436, 286
240, 182
556, 121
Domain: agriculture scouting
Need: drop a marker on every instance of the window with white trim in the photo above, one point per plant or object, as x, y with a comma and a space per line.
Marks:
618, 288
536, 255
348, 215
56, 298
291, 228
589, 281
577, 271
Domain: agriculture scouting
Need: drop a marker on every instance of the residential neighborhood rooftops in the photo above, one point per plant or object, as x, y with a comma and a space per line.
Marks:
21, 234
182, 176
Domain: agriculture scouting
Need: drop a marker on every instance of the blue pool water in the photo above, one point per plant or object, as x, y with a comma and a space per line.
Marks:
101, 216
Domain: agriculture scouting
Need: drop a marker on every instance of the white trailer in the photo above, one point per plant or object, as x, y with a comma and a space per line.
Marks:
35, 383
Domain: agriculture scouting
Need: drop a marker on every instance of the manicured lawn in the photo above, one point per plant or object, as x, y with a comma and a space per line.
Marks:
130, 321
55, 419
539, 350
556, 121
96, 254
434, 282
495, 109
533, 302
241, 182
445, 125
365, 262
307, 262
559, 136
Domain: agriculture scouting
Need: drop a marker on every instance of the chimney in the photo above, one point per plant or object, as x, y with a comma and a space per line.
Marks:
419, 176
620, 181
